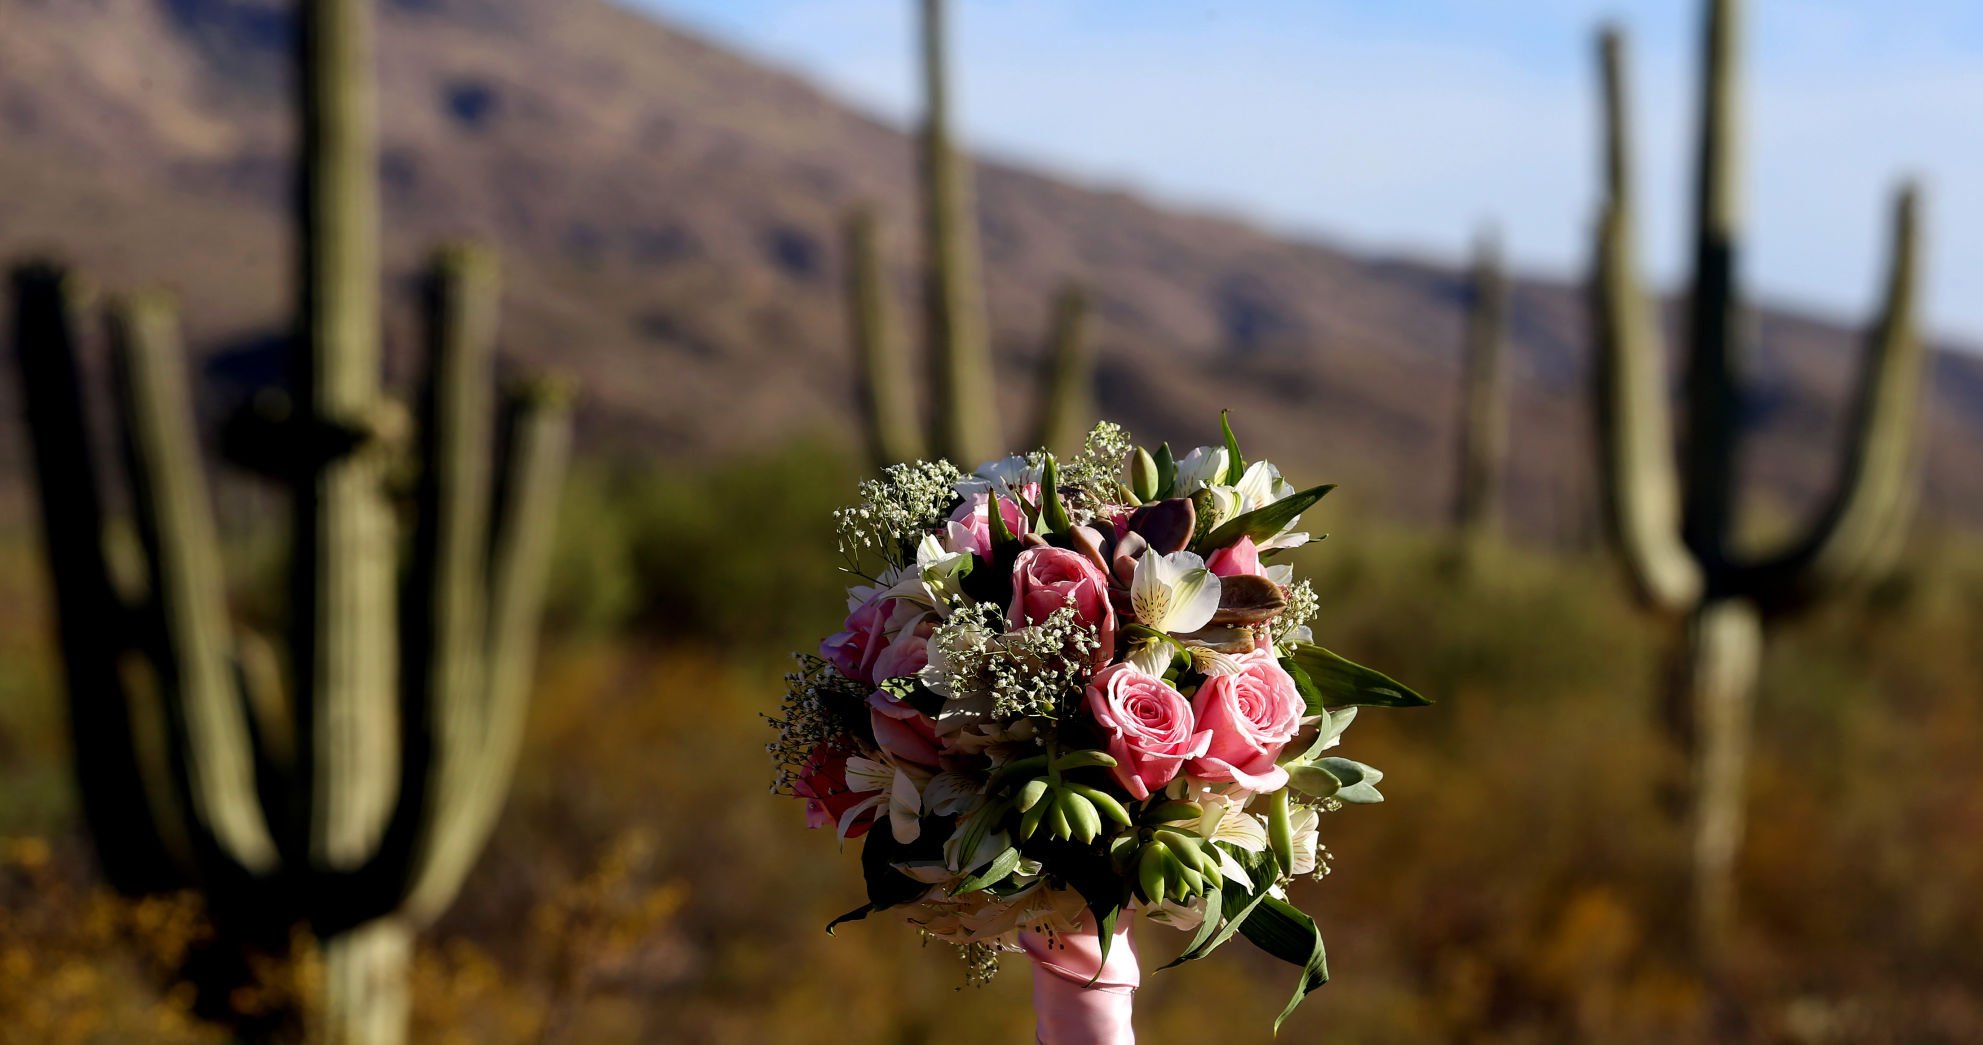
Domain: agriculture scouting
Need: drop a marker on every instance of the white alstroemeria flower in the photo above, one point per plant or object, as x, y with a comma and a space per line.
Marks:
1218, 506
1260, 486
1289, 538
1174, 593
1185, 917
1003, 477
1203, 467
1151, 657
935, 578
899, 786
958, 862
1236, 826
968, 734
1305, 824
1226, 820
1211, 663
948, 794
1281, 573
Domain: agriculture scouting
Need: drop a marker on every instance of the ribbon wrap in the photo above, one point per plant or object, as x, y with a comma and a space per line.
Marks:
1069, 1009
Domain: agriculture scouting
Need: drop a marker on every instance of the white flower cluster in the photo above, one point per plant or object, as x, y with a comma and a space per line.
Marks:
898, 508
978, 665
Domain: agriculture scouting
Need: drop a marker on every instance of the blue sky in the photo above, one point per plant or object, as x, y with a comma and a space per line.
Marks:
1405, 126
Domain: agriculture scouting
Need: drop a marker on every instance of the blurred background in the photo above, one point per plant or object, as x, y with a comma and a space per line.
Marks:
1271, 206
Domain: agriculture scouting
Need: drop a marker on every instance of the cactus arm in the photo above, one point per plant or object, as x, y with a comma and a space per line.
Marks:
963, 410
213, 754
1066, 397
538, 426
1714, 364
445, 595
343, 650
1636, 469
1863, 526
91, 619
1483, 403
888, 406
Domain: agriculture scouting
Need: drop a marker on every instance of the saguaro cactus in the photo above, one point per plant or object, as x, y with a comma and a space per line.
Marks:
1483, 406
1676, 532
355, 801
964, 421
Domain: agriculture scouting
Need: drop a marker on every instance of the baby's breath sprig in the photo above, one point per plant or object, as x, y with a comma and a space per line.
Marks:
980, 963
897, 509
1302, 604
1097, 469
1029, 671
820, 706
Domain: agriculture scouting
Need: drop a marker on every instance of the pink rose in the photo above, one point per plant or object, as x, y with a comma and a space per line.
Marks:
970, 525
865, 635
1148, 726
1242, 557
1251, 716
823, 784
1046, 579
901, 730
908, 650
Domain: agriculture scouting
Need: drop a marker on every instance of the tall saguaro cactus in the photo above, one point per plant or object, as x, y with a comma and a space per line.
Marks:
963, 409
1677, 531
354, 796
1483, 401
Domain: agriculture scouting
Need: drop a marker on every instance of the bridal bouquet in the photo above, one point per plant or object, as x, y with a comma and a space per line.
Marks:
1066, 690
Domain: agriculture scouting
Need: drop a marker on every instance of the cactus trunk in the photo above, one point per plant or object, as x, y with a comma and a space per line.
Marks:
1484, 411
343, 652
963, 401
366, 997
1724, 651
888, 404
92, 620
1066, 404
1682, 551
963, 421
355, 802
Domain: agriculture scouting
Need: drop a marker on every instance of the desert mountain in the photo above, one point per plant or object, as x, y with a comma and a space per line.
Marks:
669, 211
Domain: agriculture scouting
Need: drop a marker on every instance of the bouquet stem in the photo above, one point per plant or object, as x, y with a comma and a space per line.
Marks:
1077, 998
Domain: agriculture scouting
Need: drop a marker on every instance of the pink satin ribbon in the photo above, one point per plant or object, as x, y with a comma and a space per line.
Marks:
1067, 1008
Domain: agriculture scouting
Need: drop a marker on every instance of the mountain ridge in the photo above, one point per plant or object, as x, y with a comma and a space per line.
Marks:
668, 213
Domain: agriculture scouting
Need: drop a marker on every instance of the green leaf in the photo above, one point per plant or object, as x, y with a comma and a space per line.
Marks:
1001, 534
1344, 683
1264, 522
854, 915
1313, 780
1330, 726
1105, 921
1087, 871
983, 822
1235, 461
1235, 905
996, 871
1359, 781
1311, 694
1166, 472
1208, 928
1281, 930
1053, 512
